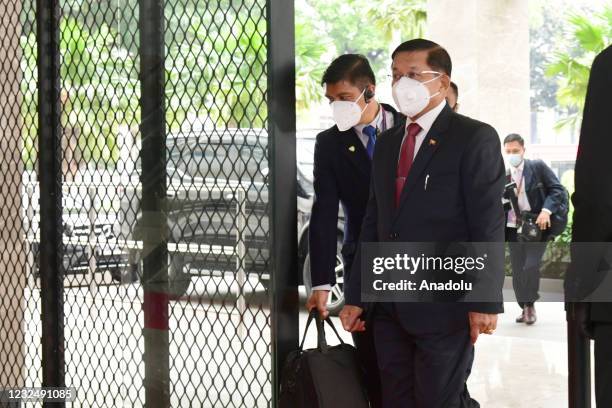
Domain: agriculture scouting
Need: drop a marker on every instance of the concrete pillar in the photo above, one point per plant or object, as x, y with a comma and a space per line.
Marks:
488, 41
12, 258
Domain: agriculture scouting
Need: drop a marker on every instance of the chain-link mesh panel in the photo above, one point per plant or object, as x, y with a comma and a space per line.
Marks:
218, 202
216, 206
20, 324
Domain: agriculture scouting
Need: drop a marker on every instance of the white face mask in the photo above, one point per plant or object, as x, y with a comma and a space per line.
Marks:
346, 113
515, 159
412, 96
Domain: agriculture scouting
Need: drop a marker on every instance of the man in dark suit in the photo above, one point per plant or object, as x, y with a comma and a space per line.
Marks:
592, 201
437, 177
342, 176
538, 192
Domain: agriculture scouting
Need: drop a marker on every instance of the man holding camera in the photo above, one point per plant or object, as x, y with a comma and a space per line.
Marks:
537, 212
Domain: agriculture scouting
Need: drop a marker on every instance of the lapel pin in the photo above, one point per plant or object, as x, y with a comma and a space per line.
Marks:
433, 142
352, 149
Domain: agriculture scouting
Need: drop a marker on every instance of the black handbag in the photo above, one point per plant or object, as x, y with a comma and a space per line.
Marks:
324, 377
558, 219
528, 230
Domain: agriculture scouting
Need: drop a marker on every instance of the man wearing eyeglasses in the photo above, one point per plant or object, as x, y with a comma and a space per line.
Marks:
437, 177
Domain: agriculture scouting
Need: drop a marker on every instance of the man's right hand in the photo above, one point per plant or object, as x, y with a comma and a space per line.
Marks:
318, 299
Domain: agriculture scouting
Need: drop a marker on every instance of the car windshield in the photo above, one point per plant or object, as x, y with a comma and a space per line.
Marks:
232, 156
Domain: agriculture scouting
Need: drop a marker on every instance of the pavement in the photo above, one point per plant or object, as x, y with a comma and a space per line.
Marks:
220, 350
519, 366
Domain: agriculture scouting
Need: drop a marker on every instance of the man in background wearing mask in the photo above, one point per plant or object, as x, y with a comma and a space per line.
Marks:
539, 192
437, 177
342, 176
453, 96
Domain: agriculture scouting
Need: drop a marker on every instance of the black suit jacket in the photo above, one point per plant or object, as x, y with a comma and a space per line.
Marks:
592, 198
542, 187
461, 159
341, 176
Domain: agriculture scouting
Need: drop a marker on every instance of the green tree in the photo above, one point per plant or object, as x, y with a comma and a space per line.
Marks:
99, 84
588, 36
328, 28
392, 18
309, 56
545, 36
218, 71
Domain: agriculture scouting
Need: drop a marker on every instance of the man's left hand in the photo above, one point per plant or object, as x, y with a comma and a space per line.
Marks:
543, 220
350, 316
481, 323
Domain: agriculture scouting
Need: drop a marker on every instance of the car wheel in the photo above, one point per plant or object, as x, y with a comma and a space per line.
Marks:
335, 302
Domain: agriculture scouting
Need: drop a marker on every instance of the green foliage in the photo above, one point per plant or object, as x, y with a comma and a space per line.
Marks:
215, 65
99, 86
220, 74
567, 179
309, 53
326, 29
407, 17
588, 36
545, 34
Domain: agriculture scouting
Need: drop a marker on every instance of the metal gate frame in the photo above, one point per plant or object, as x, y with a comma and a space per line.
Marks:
283, 184
284, 298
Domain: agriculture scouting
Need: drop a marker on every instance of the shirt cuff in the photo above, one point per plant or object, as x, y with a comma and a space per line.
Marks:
547, 210
322, 287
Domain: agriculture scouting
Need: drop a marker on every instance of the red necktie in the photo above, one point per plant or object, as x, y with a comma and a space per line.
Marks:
405, 160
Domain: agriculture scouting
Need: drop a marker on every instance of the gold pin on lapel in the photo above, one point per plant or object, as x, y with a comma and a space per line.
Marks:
433, 142
352, 149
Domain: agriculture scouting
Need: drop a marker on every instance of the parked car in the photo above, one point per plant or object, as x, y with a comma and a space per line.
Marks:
217, 205
80, 237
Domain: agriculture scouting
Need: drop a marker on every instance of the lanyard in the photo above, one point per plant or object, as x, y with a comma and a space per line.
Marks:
519, 185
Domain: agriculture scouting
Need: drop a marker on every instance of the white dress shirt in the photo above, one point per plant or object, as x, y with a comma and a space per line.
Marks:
376, 123
516, 173
425, 122
518, 176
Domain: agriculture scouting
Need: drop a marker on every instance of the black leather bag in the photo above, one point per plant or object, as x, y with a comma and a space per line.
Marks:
324, 377
528, 230
558, 219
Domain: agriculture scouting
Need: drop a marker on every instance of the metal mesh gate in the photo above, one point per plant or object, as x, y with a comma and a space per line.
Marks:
146, 232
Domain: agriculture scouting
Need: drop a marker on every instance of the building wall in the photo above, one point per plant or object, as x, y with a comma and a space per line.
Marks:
488, 41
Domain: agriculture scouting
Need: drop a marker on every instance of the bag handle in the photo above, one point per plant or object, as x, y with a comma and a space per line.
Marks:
321, 340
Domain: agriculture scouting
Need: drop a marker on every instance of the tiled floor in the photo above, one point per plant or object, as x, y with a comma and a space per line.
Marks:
520, 366
523, 366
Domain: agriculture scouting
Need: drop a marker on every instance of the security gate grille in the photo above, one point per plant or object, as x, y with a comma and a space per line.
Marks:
148, 225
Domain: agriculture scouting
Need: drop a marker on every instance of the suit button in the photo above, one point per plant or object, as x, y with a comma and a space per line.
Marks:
394, 235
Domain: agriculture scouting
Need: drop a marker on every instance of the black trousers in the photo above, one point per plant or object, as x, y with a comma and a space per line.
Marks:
422, 370
603, 364
364, 342
526, 261
366, 350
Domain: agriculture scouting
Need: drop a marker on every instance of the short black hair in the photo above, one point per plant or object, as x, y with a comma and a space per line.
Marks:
354, 68
437, 57
455, 88
514, 137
